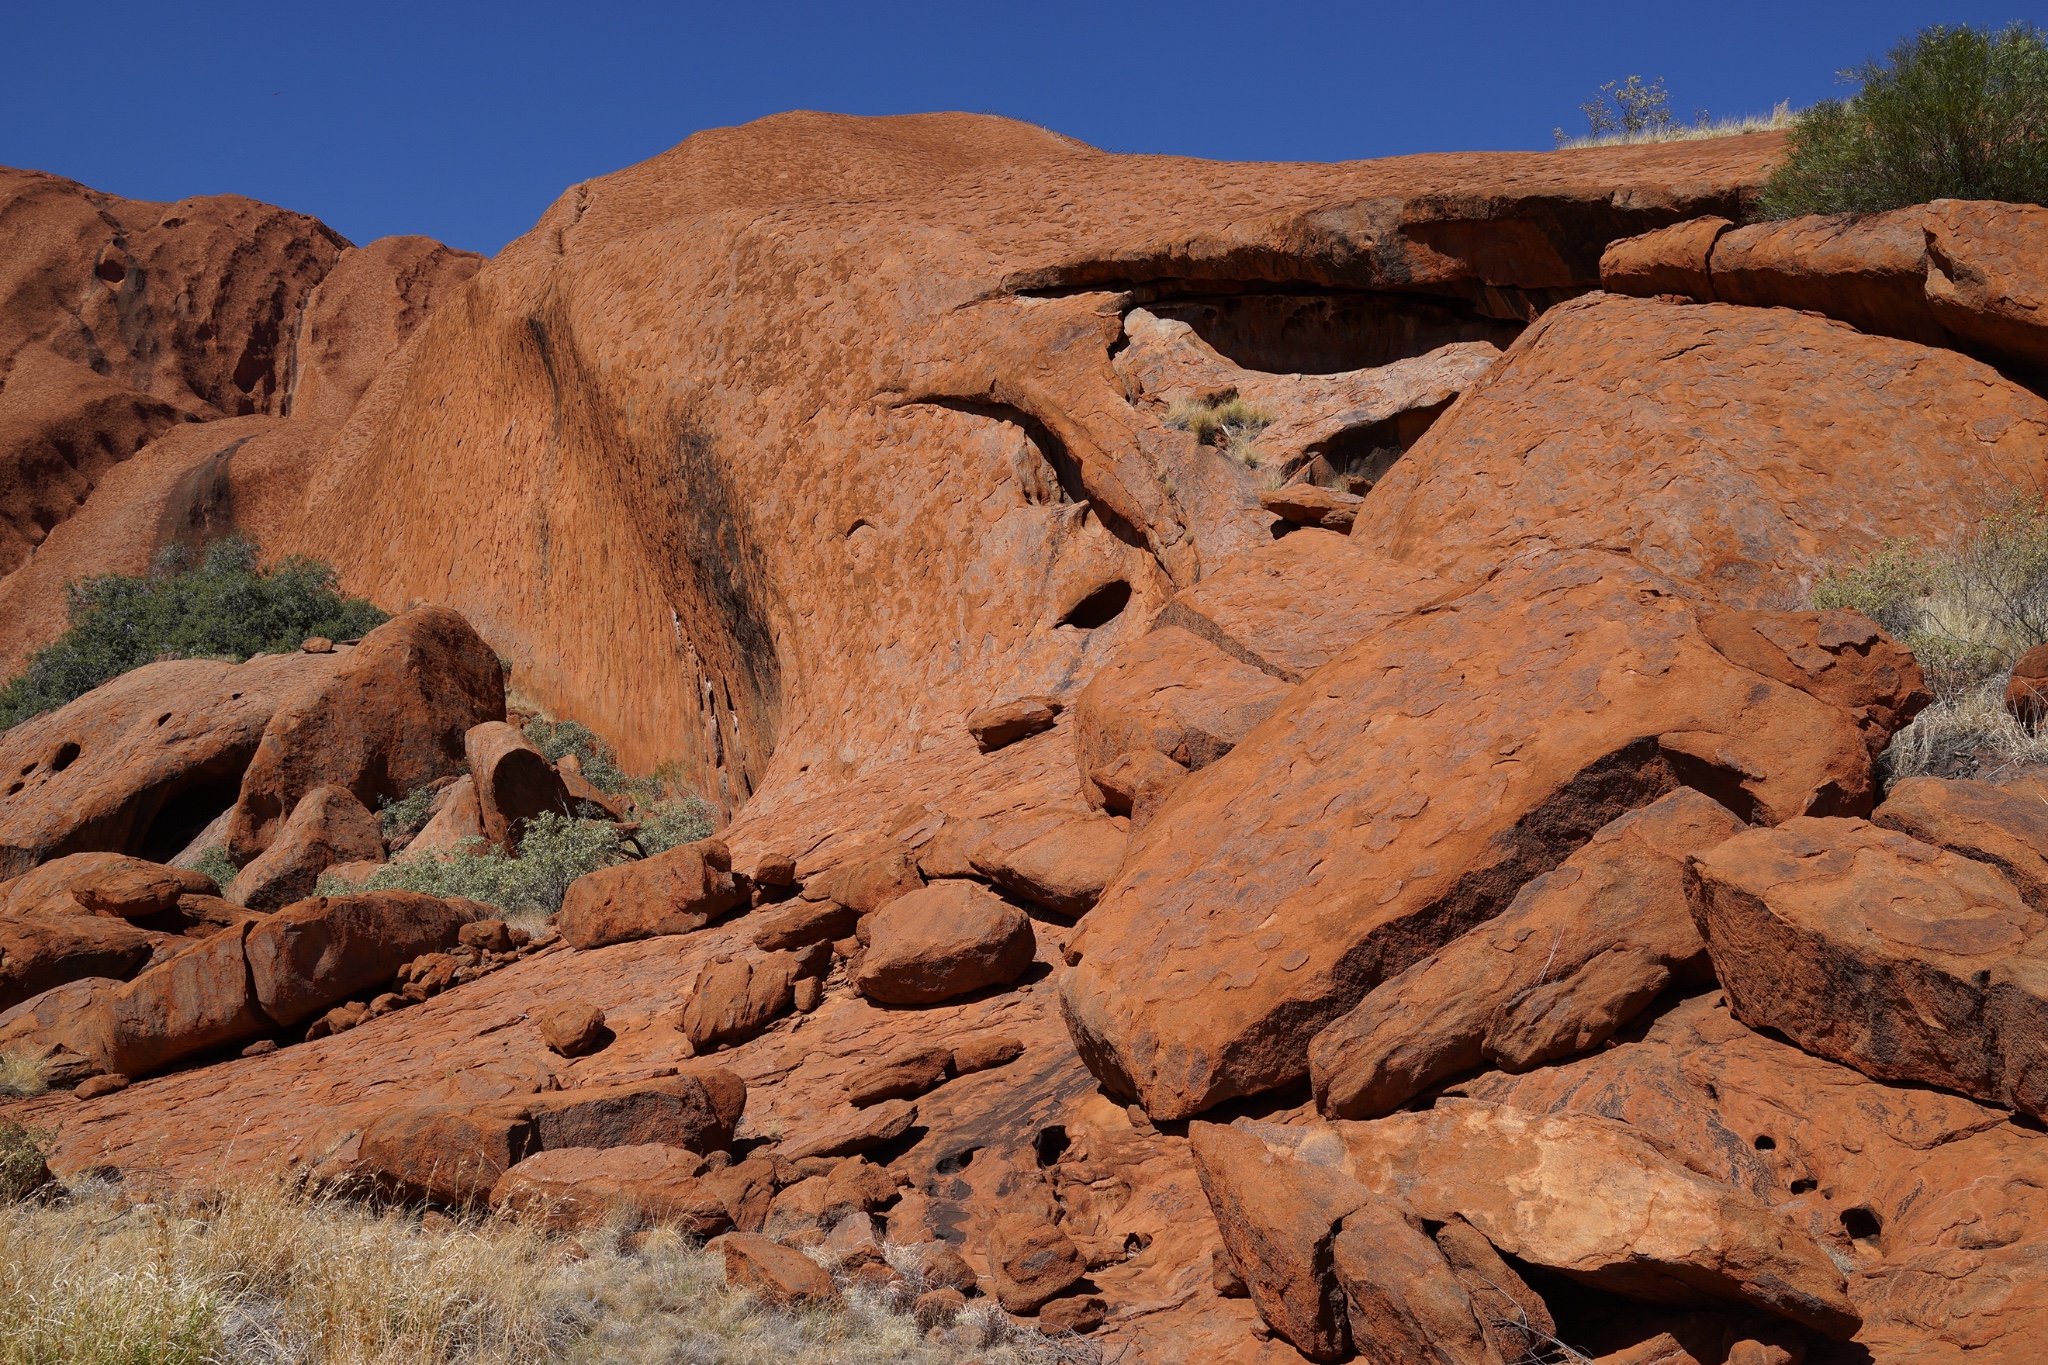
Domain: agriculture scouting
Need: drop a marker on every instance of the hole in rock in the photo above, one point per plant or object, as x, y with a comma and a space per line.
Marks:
16, 787
162, 718
1861, 1224
27, 768
1135, 1242
1329, 333
1099, 607
859, 523
184, 814
1766, 1143
66, 755
1356, 458
1051, 1143
111, 270
1804, 1185
955, 1162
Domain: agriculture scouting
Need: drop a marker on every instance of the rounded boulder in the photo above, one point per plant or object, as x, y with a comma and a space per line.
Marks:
947, 940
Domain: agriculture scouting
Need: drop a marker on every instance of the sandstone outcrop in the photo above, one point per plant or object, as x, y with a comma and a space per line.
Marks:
1007, 722
391, 717
1889, 955
1577, 954
1583, 686
1173, 694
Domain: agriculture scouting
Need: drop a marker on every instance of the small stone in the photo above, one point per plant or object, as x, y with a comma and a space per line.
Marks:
1223, 1276
944, 1267
809, 993
92, 1087
262, 1047
782, 1275
318, 644
1033, 1262
1007, 722
985, 1053
486, 935
937, 1307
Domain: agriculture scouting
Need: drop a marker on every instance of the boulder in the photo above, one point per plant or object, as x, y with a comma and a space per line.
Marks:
1593, 1199
851, 1131
1175, 694
868, 881
1577, 953
2026, 691
1081, 1314
1744, 450
449, 1154
328, 826
948, 940
1982, 822
674, 892
747, 1189
390, 718
1136, 784
1406, 1306
1032, 1261
986, 1052
1902, 960
141, 764
1062, 869
1004, 723
40, 952
648, 1185
571, 1028
1671, 260
1279, 1219
695, 1109
1290, 607
1326, 855
457, 822
801, 923
782, 1276
514, 782
53, 1026
1304, 504
101, 884
307, 956
731, 999
195, 1001
1514, 1317
904, 1076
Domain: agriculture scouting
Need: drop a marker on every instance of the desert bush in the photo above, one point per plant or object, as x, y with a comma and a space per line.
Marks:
215, 863
1967, 611
1953, 113
1704, 125
21, 1074
221, 605
1229, 423
22, 1171
555, 851
408, 814
671, 823
261, 1274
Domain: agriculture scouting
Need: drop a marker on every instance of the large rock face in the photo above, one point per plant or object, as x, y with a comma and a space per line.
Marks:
1406, 791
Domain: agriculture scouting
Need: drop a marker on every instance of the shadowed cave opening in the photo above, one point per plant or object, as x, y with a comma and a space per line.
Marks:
1099, 607
186, 812
1329, 333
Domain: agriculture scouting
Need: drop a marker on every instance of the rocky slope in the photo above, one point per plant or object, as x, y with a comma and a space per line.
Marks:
1409, 877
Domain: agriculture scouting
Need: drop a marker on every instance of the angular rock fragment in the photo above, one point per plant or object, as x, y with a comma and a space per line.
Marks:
904, 1076
1175, 694
1514, 1317
1062, 869
328, 826
1405, 1304
41, 952
198, 1000
696, 1109
1670, 260
457, 822
450, 1154
1902, 960
1577, 953
309, 955
1136, 784
1004, 723
781, 1275
1986, 823
101, 884
800, 923
947, 940
1032, 1262
868, 881
1304, 504
1406, 795
390, 718
731, 999
985, 1053
852, 1131
674, 892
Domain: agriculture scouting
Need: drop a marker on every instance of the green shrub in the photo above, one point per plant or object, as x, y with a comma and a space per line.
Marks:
1955, 113
408, 814
555, 851
670, 824
557, 739
22, 1171
223, 606
215, 863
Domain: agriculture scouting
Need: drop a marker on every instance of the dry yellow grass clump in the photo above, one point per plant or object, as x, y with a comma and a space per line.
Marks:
263, 1274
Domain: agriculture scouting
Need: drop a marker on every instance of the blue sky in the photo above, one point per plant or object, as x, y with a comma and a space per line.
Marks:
463, 121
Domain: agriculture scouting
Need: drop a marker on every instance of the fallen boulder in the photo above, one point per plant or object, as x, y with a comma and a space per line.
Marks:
571, 1028
1982, 822
1902, 960
1062, 869
457, 822
695, 1109
867, 881
674, 892
1577, 953
1032, 1262
1173, 693
328, 826
449, 1154
1136, 785
648, 1185
1001, 724
196, 1001
390, 718
801, 923
1406, 1305
1304, 504
1593, 1199
40, 952
307, 956
1328, 853
1671, 260
850, 1131
903, 1076
101, 884
948, 940
781, 1275
733, 998
514, 782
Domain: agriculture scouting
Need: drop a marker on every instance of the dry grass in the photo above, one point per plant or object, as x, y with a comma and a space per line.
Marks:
1228, 422
263, 1276
1779, 118
21, 1074
1965, 734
